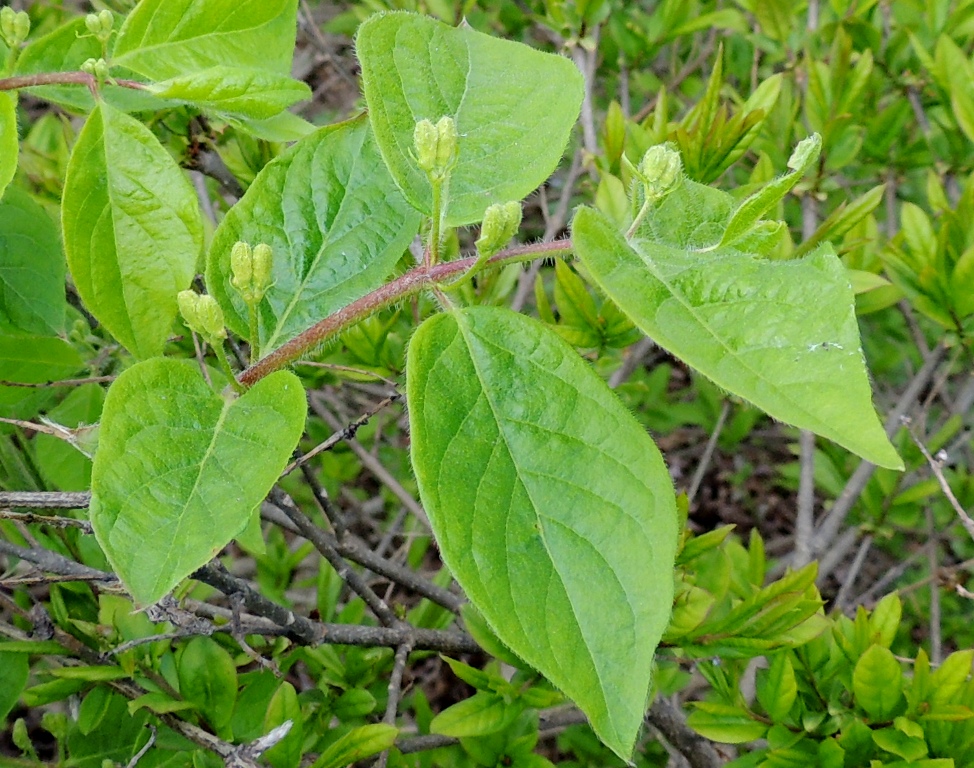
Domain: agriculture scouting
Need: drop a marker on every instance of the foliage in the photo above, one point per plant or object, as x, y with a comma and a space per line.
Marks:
216, 433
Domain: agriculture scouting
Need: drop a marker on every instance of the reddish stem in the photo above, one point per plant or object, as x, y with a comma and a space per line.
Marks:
61, 78
413, 282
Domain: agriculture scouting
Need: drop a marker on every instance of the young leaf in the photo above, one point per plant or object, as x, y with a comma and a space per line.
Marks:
283, 706
31, 266
208, 679
14, 668
179, 469
249, 92
481, 714
777, 688
725, 723
132, 229
335, 221
357, 744
780, 334
550, 503
167, 38
416, 68
36, 359
877, 683
9, 140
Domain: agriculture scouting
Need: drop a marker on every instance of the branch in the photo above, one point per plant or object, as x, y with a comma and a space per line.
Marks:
63, 78
410, 284
669, 721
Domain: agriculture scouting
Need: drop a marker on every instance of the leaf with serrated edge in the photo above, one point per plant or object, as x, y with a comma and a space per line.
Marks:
335, 221
132, 229
167, 38
782, 335
179, 469
550, 503
416, 68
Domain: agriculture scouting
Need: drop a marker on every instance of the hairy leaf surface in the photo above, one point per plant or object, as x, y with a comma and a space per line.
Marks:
337, 225
132, 229
31, 267
514, 108
179, 469
167, 38
782, 335
249, 92
550, 503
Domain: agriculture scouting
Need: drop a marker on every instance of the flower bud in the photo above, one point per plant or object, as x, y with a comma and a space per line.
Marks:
98, 68
250, 270
660, 171
202, 315
500, 224
14, 26
436, 146
100, 24
446, 145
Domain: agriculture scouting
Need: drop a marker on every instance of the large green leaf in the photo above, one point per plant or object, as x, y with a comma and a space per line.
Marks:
550, 503
31, 267
179, 469
9, 140
132, 229
780, 334
337, 225
167, 38
514, 108
249, 92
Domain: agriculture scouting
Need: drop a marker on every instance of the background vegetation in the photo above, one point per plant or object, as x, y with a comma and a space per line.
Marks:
858, 655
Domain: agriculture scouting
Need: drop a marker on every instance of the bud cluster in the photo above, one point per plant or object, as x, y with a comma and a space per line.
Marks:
250, 270
660, 171
98, 68
14, 26
501, 222
202, 315
436, 146
100, 25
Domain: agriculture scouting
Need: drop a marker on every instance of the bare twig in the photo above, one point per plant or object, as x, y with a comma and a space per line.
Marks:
45, 499
55, 521
670, 722
635, 357
805, 514
936, 466
850, 580
936, 636
395, 693
708, 453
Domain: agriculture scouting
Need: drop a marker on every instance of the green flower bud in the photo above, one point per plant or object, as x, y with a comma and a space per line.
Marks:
436, 146
500, 224
202, 315
14, 26
98, 68
100, 24
251, 270
446, 145
660, 171
425, 139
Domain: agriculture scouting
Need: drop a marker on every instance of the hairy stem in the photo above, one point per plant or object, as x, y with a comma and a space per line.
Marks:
410, 284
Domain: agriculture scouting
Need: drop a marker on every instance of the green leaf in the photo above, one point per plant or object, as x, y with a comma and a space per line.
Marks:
61, 462
208, 679
724, 723
132, 229
898, 743
416, 68
14, 668
357, 744
877, 683
283, 706
167, 38
777, 688
580, 590
254, 93
179, 469
37, 359
782, 335
480, 715
335, 221
9, 140
31, 265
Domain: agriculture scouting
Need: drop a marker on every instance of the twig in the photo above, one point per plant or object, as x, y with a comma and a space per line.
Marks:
395, 693
370, 462
828, 529
805, 513
45, 499
850, 580
52, 562
708, 453
55, 521
60, 383
148, 745
936, 466
637, 354
936, 636
669, 721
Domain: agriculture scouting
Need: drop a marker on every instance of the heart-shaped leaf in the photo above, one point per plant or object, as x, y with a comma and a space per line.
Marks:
550, 503
781, 334
179, 469
132, 229
335, 221
513, 106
